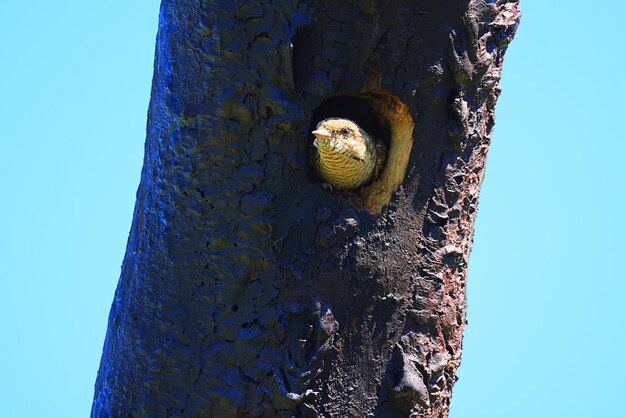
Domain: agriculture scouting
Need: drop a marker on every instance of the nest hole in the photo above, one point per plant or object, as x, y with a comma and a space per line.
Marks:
384, 116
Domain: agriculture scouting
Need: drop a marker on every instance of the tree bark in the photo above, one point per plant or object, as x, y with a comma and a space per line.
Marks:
248, 289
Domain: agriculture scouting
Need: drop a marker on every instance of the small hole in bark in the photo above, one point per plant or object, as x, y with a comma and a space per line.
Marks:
305, 43
385, 117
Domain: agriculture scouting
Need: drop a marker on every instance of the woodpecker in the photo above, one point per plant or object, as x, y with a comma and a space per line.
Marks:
346, 157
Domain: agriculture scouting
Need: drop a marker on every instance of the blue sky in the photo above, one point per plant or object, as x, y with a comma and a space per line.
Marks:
546, 281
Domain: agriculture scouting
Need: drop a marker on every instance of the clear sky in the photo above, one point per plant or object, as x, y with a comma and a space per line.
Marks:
546, 282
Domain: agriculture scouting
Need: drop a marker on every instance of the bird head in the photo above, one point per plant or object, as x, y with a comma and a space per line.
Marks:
339, 132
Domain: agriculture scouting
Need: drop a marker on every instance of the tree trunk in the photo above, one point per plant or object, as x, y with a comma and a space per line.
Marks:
247, 288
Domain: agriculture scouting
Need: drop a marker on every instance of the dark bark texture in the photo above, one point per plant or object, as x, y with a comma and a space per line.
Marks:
248, 289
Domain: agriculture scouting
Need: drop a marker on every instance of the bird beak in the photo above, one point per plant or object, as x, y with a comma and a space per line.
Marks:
322, 134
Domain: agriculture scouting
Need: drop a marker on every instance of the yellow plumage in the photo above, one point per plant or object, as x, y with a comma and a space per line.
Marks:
345, 155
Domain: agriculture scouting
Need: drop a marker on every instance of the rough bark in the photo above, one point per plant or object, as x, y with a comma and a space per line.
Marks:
249, 290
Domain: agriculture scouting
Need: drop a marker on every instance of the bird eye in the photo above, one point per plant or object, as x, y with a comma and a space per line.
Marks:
345, 131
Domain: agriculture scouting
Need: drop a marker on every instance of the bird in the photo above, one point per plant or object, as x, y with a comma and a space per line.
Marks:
346, 157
